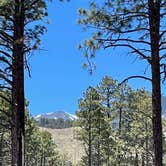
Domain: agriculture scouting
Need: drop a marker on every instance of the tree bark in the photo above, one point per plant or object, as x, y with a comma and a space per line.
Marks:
143, 160
1, 147
90, 147
18, 105
154, 21
147, 145
108, 114
136, 159
99, 143
156, 115
41, 161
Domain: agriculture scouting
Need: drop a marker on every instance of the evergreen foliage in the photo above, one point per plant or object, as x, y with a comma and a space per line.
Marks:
40, 148
139, 27
54, 123
124, 137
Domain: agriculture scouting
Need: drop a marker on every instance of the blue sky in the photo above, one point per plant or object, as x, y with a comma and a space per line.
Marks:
58, 79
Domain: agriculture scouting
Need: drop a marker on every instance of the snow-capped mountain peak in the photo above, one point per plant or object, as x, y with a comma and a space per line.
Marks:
56, 115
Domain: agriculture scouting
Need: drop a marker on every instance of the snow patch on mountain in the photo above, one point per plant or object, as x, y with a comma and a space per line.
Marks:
73, 117
50, 113
56, 115
38, 116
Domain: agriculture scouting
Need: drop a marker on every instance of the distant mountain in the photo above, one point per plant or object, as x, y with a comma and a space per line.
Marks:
66, 116
56, 115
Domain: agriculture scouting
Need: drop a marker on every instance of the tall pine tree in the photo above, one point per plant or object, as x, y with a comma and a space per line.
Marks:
139, 27
19, 35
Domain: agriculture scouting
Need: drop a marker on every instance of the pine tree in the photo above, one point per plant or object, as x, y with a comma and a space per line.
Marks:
18, 37
139, 27
94, 129
136, 132
107, 90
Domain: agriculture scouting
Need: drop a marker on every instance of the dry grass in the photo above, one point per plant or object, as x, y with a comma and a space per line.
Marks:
66, 144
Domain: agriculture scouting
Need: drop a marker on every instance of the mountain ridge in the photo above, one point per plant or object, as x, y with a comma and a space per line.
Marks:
56, 115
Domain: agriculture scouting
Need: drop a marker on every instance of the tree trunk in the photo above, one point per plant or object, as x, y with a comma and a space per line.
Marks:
14, 141
1, 148
143, 160
136, 159
147, 145
108, 114
41, 161
90, 139
154, 21
99, 143
120, 126
120, 120
156, 119
89, 147
44, 161
18, 106
108, 103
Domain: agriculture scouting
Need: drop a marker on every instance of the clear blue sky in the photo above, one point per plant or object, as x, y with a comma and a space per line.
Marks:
58, 79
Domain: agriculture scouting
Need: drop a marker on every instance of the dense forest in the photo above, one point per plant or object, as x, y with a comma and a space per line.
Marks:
117, 125
54, 123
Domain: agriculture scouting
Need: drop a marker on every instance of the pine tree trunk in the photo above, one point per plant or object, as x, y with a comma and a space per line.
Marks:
41, 161
18, 108
136, 159
143, 160
1, 148
108, 103
120, 120
99, 143
90, 139
14, 141
44, 161
108, 114
89, 147
154, 21
120, 126
156, 119
147, 145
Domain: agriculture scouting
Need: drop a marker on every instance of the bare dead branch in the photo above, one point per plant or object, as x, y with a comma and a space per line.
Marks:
132, 77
